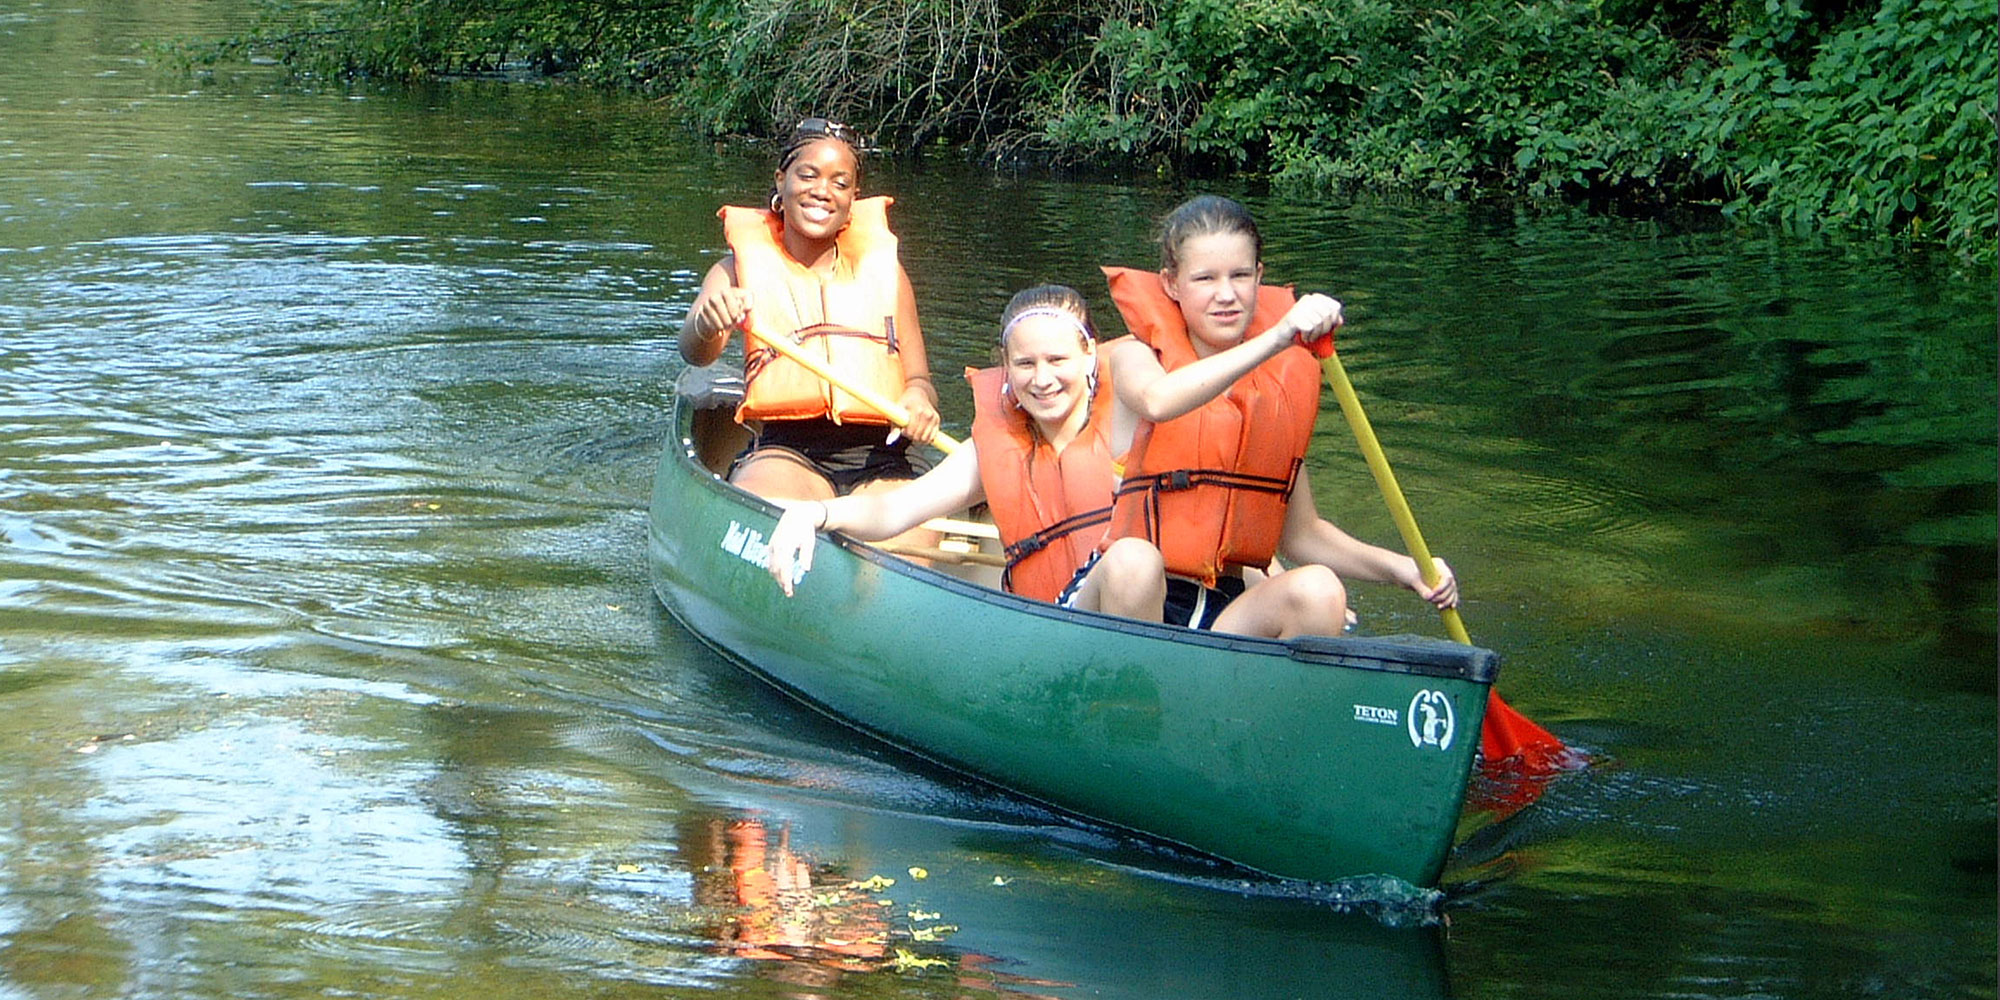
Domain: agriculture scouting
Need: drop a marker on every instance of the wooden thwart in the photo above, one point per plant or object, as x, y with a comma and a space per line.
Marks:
942, 555
958, 526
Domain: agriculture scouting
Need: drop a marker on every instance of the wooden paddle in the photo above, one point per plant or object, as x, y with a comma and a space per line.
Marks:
873, 400
1507, 733
901, 418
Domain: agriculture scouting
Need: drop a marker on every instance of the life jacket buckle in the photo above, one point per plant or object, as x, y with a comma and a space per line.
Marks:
1179, 479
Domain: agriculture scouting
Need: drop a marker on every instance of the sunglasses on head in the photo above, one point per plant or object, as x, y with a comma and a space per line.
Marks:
818, 127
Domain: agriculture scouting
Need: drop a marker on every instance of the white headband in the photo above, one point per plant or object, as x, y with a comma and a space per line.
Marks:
1045, 311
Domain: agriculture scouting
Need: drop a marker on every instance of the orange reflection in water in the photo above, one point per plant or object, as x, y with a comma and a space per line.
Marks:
778, 911
810, 927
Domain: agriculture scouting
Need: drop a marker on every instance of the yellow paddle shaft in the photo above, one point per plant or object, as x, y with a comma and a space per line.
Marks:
873, 400
1392, 494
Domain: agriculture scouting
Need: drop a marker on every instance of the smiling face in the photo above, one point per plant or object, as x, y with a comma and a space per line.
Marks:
1048, 371
816, 191
1215, 283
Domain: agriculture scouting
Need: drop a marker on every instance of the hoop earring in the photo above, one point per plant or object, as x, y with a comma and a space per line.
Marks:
1090, 387
777, 204
1007, 394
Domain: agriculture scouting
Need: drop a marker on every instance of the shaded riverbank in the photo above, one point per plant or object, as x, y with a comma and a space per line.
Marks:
1877, 116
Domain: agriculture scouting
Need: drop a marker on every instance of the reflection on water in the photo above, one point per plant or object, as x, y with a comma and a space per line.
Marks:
328, 664
777, 909
810, 927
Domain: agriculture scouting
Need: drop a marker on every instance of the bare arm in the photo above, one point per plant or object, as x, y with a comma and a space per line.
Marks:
718, 307
919, 394
1152, 393
1309, 538
947, 489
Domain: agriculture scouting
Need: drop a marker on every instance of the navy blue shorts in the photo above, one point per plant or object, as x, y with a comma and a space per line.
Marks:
1189, 603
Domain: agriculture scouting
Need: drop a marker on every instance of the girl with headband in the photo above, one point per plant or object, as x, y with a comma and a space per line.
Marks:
1039, 456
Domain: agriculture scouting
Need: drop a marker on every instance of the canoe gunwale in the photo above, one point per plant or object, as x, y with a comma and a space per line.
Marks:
1409, 654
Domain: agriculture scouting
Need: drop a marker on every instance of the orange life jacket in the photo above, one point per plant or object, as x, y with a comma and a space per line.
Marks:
1050, 508
1211, 487
847, 320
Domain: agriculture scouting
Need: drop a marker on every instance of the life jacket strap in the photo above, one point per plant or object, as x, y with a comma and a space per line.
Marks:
1153, 484
1025, 547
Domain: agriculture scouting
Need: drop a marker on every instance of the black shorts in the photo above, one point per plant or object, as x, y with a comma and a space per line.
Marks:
848, 455
1189, 603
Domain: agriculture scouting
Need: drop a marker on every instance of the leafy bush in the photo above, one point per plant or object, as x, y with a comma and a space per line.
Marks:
1495, 96
1233, 83
1892, 124
1887, 122
1537, 99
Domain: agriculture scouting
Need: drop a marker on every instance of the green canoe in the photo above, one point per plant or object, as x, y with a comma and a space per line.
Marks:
1314, 758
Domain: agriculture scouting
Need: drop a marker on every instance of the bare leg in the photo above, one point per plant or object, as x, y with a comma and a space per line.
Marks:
1309, 600
1130, 579
781, 475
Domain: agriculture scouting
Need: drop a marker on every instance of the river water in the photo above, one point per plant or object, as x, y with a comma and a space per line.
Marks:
329, 665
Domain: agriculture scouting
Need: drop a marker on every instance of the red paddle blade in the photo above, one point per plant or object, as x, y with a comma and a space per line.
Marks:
1518, 758
1507, 735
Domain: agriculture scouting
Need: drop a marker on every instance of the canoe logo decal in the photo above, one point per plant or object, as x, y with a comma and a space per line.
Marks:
1432, 723
749, 545
1379, 716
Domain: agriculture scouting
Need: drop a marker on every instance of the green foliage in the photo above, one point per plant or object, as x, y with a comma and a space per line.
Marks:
1535, 99
1531, 98
1232, 83
913, 69
1874, 113
1891, 125
1880, 117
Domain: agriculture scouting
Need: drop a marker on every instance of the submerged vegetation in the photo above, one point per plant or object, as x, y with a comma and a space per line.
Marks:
1876, 113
